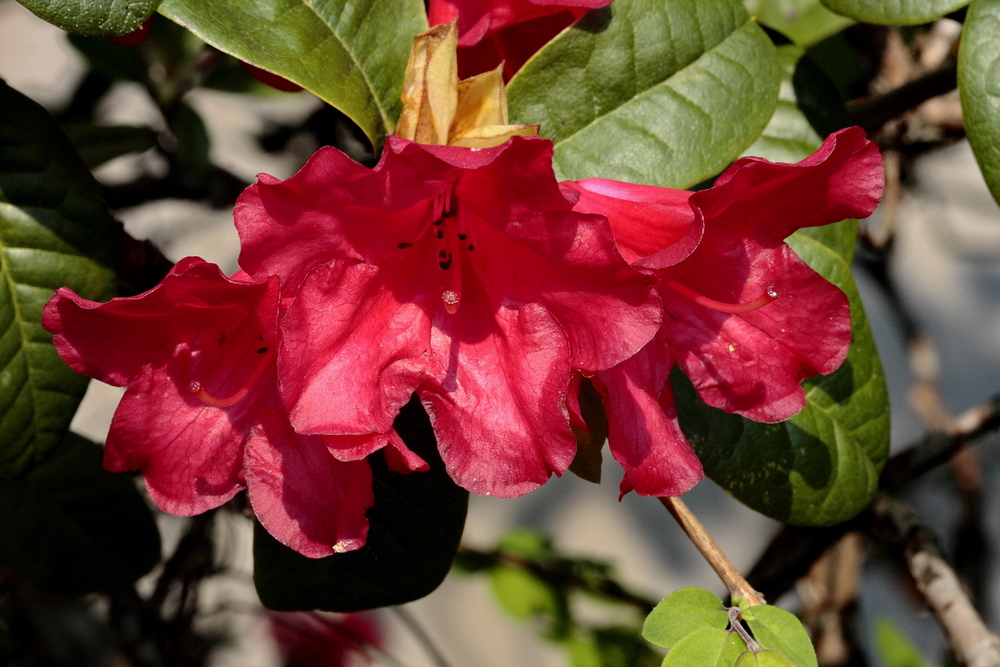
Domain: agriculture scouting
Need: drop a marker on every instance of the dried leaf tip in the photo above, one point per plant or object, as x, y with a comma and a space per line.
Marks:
439, 109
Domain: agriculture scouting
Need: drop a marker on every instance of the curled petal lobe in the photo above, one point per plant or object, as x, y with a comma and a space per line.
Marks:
643, 433
189, 453
653, 227
501, 434
303, 496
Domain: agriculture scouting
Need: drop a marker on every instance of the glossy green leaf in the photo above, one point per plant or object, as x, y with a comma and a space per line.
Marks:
780, 631
98, 144
350, 53
683, 612
979, 87
808, 105
527, 543
94, 17
70, 525
647, 91
763, 659
54, 231
897, 12
895, 648
805, 22
415, 526
820, 467
706, 648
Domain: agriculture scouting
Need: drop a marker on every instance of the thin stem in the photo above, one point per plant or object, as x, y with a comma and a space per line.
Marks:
425, 639
734, 581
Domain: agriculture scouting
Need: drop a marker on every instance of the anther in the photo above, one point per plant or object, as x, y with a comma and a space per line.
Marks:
403, 246
451, 299
206, 398
769, 295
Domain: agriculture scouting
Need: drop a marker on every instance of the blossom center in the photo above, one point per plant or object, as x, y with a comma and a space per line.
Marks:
265, 354
453, 238
769, 295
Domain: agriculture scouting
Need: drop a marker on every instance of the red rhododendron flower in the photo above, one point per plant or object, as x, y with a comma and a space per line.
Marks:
202, 417
745, 318
508, 31
461, 274
319, 639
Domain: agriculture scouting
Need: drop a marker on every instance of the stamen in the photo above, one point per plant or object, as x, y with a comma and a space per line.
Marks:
206, 398
451, 299
769, 295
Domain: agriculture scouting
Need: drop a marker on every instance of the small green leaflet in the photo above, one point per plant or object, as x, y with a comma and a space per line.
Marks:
682, 612
693, 622
897, 12
648, 91
979, 87
54, 231
100, 18
350, 53
780, 631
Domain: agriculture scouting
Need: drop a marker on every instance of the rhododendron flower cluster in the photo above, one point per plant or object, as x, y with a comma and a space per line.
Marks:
459, 270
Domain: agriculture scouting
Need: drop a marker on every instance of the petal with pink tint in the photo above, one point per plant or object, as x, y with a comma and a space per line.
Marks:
643, 433
189, 453
501, 434
304, 497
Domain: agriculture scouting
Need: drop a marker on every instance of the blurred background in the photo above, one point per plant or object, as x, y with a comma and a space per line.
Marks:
928, 269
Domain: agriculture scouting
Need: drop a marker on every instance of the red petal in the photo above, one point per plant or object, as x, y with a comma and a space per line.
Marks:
769, 200
643, 433
352, 355
189, 453
753, 363
653, 227
502, 433
303, 496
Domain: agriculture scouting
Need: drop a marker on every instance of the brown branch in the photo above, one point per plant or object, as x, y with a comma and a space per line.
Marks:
731, 577
873, 113
937, 448
973, 644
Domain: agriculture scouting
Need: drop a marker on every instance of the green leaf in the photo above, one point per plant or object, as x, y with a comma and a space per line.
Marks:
352, 54
897, 12
611, 647
523, 595
415, 526
527, 543
979, 87
101, 18
54, 231
98, 144
683, 612
763, 659
70, 525
780, 631
895, 648
115, 61
706, 648
193, 142
821, 466
664, 93
805, 22
808, 106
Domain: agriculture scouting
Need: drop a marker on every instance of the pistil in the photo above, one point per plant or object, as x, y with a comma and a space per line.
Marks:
769, 295
265, 358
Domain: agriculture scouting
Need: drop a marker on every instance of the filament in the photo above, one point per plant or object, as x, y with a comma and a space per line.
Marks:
230, 401
769, 295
